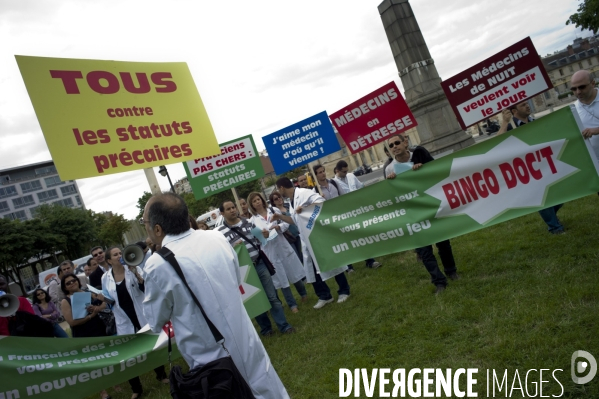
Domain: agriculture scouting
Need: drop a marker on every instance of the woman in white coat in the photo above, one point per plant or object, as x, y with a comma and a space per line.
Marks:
125, 286
287, 265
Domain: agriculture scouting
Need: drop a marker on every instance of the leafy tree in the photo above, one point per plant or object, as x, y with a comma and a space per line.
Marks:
587, 16
196, 208
99, 220
75, 225
111, 232
141, 203
270, 181
16, 243
45, 242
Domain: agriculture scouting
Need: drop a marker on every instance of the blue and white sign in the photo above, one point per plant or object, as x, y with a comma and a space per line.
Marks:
301, 143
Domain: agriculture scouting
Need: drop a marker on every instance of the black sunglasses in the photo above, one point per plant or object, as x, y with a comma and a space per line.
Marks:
394, 143
581, 87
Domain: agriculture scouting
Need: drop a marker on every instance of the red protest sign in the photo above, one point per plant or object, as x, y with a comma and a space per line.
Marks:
507, 78
373, 118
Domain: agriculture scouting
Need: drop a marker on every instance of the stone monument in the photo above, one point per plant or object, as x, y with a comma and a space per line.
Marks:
438, 127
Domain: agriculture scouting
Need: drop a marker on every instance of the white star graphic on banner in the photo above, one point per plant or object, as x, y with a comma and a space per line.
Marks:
247, 290
518, 176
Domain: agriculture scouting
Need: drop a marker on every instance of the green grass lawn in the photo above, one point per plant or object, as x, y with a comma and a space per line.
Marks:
526, 300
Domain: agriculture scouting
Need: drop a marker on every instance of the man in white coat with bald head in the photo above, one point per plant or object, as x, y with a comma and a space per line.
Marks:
211, 269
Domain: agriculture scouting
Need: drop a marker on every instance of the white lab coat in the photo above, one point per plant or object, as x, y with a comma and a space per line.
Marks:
211, 268
146, 256
282, 255
123, 323
304, 197
353, 183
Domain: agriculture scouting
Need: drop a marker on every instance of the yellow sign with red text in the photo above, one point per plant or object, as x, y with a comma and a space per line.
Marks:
104, 117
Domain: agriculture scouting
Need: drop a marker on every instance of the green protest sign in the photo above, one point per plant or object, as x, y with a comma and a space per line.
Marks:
538, 165
252, 293
238, 163
75, 368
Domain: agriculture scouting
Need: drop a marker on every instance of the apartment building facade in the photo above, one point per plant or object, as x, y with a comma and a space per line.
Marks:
24, 188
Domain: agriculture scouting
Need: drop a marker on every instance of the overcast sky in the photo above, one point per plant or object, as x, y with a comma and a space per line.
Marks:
259, 66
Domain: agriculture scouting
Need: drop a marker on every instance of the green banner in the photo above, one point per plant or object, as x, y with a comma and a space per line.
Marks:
238, 163
253, 295
78, 367
75, 368
538, 165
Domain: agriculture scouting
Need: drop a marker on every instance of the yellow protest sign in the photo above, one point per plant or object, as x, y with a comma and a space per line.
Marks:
104, 117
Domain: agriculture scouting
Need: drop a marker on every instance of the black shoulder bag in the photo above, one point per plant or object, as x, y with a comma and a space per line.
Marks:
219, 379
261, 254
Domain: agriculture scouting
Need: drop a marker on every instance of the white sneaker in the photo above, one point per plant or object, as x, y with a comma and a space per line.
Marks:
322, 302
375, 265
342, 298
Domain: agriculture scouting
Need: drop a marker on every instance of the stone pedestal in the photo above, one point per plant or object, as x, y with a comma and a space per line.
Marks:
438, 127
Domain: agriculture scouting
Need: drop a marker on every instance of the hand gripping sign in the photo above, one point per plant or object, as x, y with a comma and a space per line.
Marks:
103, 117
507, 78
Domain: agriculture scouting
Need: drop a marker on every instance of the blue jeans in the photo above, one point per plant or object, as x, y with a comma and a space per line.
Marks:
276, 310
549, 215
59, 332
300, 288
323, 291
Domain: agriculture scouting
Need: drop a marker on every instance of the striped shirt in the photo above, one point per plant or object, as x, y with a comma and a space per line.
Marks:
246, 228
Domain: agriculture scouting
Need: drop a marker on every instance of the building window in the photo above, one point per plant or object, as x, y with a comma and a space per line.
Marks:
33, 210
23, 201
31, 186
45, 171
4, 206
68, 202
547, 95
570, 68
580, 65
561, 72
590, 61
47, 195
8, 191
68, 190
78, 199
21, 215
52, 181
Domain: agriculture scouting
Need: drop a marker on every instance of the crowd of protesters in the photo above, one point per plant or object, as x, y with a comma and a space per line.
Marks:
133, 296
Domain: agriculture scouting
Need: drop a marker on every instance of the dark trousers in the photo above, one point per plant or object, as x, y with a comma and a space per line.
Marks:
323, 291
136, 382
430, 262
